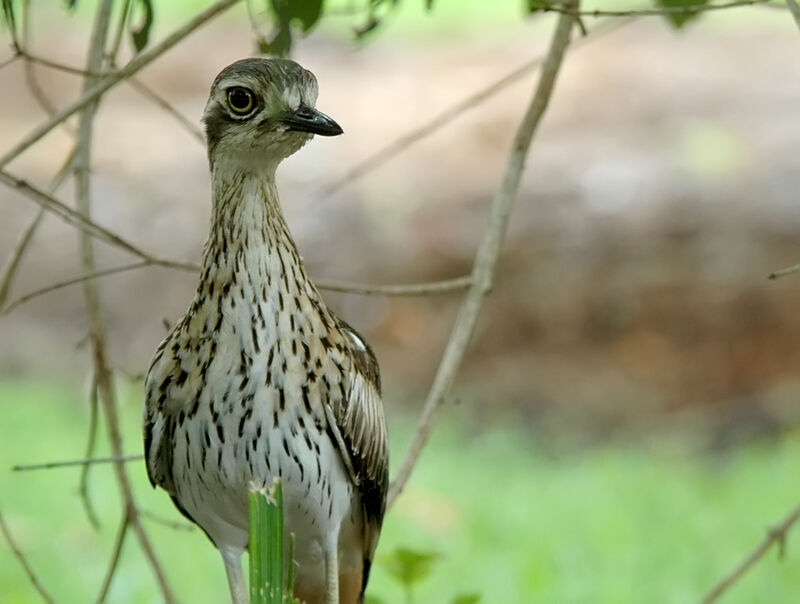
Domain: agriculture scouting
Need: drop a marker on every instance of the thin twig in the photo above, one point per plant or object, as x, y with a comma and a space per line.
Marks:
784, 272
24, 562
12, 59
489, 251
10, 269
113, 79
77, 71
14, 260
397, 146
34, 87
650, 12
115, 553
74, 281
795, 10
153, 96
367, 289
412, 289
91, 439
85, 224
49, 465
178, 526
775, 536
94, 309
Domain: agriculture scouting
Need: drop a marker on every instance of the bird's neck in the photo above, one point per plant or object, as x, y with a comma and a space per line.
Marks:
249, 239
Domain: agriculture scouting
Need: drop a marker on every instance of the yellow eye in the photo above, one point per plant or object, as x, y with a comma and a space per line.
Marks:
241, 100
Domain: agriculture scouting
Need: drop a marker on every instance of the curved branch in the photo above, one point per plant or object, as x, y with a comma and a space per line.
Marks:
24, 562
113, 79
489, 251
397, 146
775, 536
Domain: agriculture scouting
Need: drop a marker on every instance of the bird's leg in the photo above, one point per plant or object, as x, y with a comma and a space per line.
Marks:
232, 557
332, 574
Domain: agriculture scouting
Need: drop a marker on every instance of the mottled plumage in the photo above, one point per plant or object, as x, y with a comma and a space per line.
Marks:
260, 379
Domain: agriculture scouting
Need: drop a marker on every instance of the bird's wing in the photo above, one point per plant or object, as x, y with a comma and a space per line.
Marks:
159, 422
359, 429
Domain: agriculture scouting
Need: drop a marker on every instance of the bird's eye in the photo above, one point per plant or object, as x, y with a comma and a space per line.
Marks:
241, 100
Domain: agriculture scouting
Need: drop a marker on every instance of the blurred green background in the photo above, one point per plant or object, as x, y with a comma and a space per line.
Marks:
625, 426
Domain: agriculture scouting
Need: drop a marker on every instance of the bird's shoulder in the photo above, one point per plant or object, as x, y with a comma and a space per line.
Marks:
360, 424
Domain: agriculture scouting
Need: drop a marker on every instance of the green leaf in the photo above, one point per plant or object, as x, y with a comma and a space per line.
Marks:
533, 6
307, 12
141, 34
466, 599
679, 19
408, 566
265, 545
8, 13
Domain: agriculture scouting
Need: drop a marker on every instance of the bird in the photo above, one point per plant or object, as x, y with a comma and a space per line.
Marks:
260, 379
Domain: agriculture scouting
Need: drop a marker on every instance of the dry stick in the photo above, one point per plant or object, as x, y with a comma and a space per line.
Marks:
384, 154
12, 264
74, 281
178, 526
115, 554
113, 79
85, 224
411, 289
776, 535
489, 251
14, 260
24, 562
97, 231
784, 271
795, 10
153, 96
49, 465
94, 309
91, 438
649, 12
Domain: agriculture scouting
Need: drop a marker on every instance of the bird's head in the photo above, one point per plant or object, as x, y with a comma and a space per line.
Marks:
260, 111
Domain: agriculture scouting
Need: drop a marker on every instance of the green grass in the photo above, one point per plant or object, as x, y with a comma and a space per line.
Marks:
509, 519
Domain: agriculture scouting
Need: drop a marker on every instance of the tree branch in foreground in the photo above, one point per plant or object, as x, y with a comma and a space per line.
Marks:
394, 148
92, 93
24, 562
776, 535
489, 251
650, 12
103, 376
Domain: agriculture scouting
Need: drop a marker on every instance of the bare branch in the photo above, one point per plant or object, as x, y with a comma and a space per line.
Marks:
795, 10
650, 12
115, 553
12, 59
150, 94
113, 79
85, 224
775, 536
413, 289
24, 562
73, 281
91, 438
394, 148
178, 526
49, 465
94, 309
17, 253
27, 234
784, 272
489, 251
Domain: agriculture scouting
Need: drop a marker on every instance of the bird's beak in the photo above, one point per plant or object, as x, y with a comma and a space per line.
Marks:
308, 119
